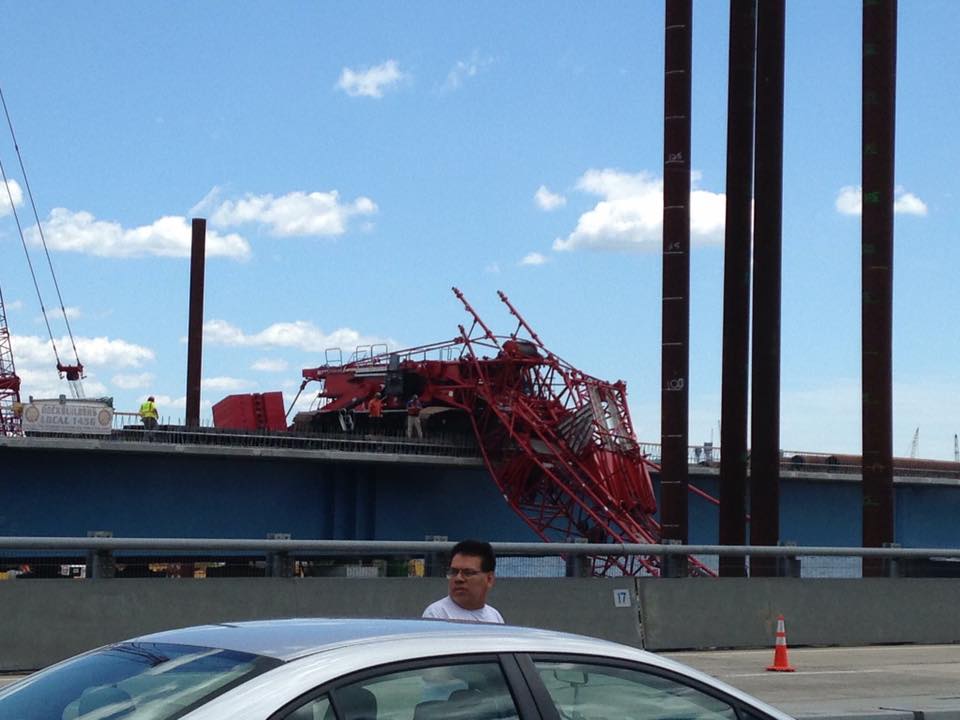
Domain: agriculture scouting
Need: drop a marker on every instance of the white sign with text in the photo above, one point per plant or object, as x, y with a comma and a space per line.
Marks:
86, 417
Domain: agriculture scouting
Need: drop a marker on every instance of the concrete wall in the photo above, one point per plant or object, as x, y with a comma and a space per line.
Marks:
688, 613
48, 620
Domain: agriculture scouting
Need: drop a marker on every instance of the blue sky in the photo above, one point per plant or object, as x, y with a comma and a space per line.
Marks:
356, 160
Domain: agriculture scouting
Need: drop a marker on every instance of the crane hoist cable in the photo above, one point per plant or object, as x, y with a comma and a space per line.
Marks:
74, 373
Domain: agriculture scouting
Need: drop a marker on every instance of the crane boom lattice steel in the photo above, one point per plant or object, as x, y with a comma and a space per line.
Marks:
559, 443
9, 381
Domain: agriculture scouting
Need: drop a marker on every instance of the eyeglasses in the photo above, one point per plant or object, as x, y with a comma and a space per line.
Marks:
466, 572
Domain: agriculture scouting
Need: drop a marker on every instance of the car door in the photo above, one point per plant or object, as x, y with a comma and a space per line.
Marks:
572, 687
470, 687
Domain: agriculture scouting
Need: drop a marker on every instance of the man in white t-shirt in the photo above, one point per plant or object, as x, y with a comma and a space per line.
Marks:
469, 579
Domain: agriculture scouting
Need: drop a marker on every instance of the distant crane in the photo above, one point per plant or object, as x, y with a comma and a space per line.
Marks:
9, 381
956, 449
915, 445
72, 372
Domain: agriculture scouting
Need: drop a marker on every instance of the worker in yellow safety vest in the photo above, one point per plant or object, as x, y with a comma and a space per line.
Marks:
148, 414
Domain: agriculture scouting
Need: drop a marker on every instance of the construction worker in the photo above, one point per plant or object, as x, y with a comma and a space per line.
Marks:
148, 414
375, 413
413, 417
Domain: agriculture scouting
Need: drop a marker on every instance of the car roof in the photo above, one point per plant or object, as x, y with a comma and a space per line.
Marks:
296, 637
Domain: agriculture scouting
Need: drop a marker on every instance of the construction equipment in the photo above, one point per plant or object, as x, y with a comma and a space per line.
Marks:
72, 372
558, 442
9, 381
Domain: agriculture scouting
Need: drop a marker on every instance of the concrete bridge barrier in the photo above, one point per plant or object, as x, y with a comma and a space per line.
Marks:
687, 613
47, 620
58, 618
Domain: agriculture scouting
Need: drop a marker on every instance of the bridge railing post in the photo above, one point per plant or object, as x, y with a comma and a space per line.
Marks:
579, 565
279, 563
672, 565
436, 563
788, 565
893, 567
100, 563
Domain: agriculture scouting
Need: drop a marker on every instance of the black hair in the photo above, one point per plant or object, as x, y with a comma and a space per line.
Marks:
477, 548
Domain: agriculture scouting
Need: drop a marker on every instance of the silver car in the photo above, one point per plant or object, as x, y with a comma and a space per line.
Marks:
354, 669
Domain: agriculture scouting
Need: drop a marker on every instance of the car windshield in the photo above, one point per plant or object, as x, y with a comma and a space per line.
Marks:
133, 681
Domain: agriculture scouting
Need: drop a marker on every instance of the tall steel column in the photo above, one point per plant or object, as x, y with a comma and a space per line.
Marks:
768, 211
675, 349
879, 106
736, 283
195, 330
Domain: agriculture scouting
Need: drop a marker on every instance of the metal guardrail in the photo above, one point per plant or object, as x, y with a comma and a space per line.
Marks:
708, 455
413, 547
434, 445
98, 557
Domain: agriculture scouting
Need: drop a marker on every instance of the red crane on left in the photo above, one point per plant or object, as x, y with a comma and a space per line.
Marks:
9, 380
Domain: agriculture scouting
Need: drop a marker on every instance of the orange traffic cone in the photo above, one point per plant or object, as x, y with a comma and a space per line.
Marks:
780, 662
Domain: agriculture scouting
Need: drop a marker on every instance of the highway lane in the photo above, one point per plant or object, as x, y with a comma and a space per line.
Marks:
908, 682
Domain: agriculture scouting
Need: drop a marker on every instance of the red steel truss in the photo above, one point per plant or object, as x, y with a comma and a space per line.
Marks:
558, 442
9, 382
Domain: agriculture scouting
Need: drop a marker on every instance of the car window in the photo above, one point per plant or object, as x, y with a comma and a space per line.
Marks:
470, 691
133, 681
318, 709
584, 691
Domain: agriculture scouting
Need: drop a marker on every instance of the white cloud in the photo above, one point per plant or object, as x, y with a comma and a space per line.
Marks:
492, 268
850, 201
370, 82
207, 203
909, 204
630, 216
296, 213
464, 69
13, 305
166, 404
270, 365
224, 383
37, 366
12, 190
132, 382
299, 334
169, 236
33, 351
306, 401
533, 258
547, 200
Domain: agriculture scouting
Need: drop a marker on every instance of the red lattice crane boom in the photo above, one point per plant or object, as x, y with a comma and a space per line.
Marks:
558, 442
9, 381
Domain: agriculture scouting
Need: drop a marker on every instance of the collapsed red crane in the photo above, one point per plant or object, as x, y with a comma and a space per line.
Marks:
558, 442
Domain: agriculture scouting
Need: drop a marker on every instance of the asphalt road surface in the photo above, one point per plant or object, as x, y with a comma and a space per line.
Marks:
900, 682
